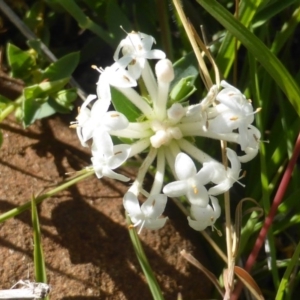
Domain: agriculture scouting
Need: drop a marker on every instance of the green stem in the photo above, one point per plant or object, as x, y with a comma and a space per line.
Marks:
85, 22
15, 211
7, 111
142, 258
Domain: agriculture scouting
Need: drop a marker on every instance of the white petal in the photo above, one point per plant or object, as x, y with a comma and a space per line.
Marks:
221, 188
204, 176
121, 63
197, 225
114, 120
243, 135
88, 101
80, 136
250, 154
147, 42
135, 70
131, 205
218, 173
222, 123
102, 143
121, 153
86, 131
113, 175
216, 207
176, 188
155, 54
201, 217
103, 88
198, 195
99, 109
155, 224
154, 206
98, 166
184, 166
234, 162
117, 52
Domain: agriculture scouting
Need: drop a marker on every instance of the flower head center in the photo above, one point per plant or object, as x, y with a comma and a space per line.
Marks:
164, 132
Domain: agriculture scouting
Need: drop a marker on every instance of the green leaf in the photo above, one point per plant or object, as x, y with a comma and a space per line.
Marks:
36, 95
21, 62
62, 102
267, 59
38, 255
183, 89
225, 58
33, 18
115, 18
270, 10
36, 45
85, 22
45, 110
124, 106
144, 263
294, 262
45, 88
185, 67
62, 68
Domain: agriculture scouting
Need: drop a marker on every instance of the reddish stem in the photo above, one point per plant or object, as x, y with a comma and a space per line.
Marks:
269, 219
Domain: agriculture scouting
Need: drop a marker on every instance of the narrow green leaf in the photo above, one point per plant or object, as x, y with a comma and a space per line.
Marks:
142, 258
38, 255
268, 60
225, 58
115, 18
85, 22
294, 262
270, 10
83, 174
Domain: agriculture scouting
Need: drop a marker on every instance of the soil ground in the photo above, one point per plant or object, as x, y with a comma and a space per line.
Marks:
85, 239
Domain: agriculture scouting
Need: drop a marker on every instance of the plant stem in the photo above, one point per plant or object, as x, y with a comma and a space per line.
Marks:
7, 111
15, 211
142, 258
277, 200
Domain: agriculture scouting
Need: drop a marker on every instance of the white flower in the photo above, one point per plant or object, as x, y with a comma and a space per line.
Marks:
116, 76
147, 215
190, 182
223, 178
83, 120
233, 112
137, 46
253, 139
97, 118
107, 157
197, 110
202, 217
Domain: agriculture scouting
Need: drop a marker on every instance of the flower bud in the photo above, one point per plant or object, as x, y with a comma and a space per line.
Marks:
164, 71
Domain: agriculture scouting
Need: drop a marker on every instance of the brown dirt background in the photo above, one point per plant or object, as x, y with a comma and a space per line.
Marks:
85, 239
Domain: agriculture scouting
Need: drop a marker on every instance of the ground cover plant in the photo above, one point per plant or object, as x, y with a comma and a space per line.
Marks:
200, 98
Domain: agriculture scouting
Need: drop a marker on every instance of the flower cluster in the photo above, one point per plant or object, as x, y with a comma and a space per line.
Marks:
165, 129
